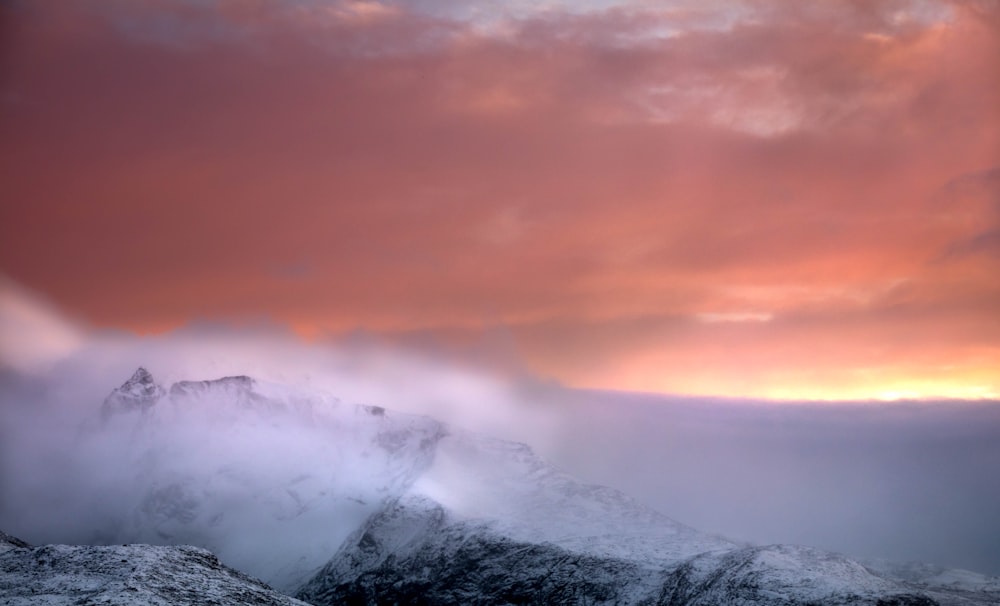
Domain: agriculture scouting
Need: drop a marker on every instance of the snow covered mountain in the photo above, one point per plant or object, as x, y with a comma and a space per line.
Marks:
269, 478
340, 503
490, 523
124, 575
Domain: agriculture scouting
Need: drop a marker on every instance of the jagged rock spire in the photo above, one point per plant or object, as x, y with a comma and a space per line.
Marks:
140, 392
141, 375
141, 379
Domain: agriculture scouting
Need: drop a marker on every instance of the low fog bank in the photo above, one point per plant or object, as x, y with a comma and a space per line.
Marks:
908, 481
905, 481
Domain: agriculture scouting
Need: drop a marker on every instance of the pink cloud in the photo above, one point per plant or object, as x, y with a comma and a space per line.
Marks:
591, 172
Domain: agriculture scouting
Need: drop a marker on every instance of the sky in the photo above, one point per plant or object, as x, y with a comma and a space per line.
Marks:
747, 198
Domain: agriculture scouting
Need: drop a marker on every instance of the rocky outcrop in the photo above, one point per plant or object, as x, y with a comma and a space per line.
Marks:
125, 575
139, 393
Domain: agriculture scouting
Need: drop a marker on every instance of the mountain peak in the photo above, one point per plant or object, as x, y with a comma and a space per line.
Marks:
139, 392
141, 376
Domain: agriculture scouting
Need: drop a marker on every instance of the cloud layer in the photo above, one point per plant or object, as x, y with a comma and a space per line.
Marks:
742, 198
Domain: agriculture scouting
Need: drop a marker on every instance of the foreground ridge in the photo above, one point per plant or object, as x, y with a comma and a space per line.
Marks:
125, 575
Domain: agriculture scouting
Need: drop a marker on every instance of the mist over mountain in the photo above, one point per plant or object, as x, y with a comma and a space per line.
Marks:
916, 480
335, 502
904, 481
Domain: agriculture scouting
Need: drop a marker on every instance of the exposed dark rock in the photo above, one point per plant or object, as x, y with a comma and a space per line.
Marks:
139, 393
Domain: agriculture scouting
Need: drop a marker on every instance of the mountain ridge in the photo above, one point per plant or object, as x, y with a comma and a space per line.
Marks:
339, 503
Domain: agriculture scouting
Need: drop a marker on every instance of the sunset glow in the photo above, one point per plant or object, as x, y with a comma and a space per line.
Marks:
734, 198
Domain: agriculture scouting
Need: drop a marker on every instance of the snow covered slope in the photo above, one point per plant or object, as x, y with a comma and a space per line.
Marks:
948, 585
480, 478
124, 575
490, 523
